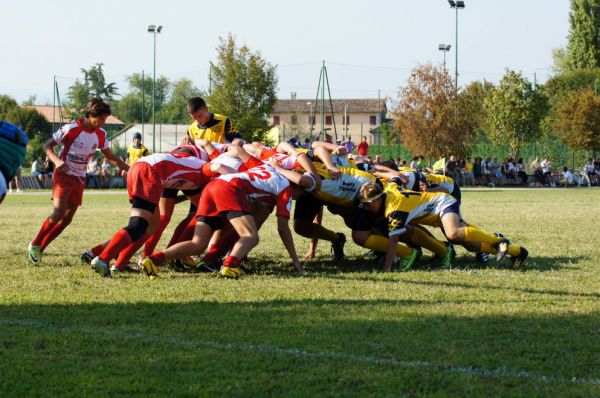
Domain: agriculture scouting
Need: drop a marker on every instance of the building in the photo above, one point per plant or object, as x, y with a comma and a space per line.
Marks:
296, 116
54, 116
168, 136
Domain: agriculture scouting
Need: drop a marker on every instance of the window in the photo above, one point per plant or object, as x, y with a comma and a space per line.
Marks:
347, 120
276, 120
372, 120
294, 119
328, 120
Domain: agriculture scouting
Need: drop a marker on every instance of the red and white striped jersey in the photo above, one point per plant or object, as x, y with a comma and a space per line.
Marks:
79, 146
265, 184
288, 162
180, 170
195, 150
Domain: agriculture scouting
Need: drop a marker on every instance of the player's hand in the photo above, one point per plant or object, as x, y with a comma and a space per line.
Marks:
335, 173
275, 165
202, 142
310, 255
61, 166
187, 140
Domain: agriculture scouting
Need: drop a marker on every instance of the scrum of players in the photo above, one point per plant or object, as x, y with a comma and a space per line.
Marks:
233, 186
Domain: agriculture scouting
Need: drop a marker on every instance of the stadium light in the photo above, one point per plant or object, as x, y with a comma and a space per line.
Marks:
456, 5
444, 48
154, 30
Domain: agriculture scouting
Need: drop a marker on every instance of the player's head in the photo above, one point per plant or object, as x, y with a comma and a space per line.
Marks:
96, 112
198, 110
137, 138
371, 196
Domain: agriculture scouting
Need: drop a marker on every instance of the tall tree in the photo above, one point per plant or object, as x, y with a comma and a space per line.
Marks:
513, 111
93, 85
129, 107
578, 120
175, 110
583, 49
244, 87
432, 118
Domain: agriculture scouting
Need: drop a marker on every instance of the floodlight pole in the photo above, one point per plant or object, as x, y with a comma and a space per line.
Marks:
154, 30
456, 5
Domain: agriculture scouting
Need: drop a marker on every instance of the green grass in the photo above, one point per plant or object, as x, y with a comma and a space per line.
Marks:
342, 329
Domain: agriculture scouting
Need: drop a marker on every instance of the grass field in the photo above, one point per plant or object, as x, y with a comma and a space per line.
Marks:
341, 329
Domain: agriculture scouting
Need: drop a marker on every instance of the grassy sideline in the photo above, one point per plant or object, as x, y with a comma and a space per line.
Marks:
472, 330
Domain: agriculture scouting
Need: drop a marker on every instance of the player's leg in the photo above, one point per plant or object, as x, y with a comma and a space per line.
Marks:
60, 226
166, 207
245, 226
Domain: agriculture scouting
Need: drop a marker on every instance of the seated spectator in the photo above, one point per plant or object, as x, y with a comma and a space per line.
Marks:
306, 144
48, 168
495, 168
566, 177
520, 169
486, 172
468, 172
452, 170
415, 163
37, 171
92, 174
105, 173
477, 171
547, 171
294, 141
590, 171
536, 168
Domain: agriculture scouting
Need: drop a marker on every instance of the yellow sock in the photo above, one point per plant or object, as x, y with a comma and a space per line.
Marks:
473, 234
423, 239
380, 244
487, 248
320, 232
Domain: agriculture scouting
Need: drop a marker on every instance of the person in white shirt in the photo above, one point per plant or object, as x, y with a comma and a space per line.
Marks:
567, 177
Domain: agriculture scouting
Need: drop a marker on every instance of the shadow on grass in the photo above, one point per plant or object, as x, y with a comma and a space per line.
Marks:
381, 347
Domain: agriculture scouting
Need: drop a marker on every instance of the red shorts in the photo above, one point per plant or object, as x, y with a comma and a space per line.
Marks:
220, 197
68, 188
143, 183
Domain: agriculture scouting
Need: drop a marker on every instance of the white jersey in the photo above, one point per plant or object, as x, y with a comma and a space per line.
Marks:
79, 146
179, 171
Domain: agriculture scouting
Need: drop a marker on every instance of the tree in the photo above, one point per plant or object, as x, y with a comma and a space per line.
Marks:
129, 107
175, 110
578, 120
513, 111
432, 118
244, 88
583, 49
30, 120
93, 85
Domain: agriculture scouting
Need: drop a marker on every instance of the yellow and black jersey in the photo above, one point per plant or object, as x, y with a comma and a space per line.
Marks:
136, 153
344, 189
338, 160
403, 206
218, 129
440, 181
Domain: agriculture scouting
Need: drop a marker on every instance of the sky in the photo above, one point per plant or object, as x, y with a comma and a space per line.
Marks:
369, 47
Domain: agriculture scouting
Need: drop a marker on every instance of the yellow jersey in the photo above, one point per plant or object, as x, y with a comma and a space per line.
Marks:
134, 154
440, 180
403, 206
218, 129
344, 189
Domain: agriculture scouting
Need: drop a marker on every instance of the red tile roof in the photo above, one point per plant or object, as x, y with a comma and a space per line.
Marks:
52, 114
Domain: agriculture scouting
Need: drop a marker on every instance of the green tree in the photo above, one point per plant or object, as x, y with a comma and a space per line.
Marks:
244, 88
30, 120
93, 85
432, 119
583, 49
175, 109
513, 112
578, 120
129, 107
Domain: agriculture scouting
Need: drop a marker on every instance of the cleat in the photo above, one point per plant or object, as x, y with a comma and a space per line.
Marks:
446, 259
419, 252
338, 247
87, 257
482, 258
122, 270
517, 261
149, 268
202, 266
178, 266
371, 254
407, 262
234, 273
35, 254
100, 267
502, 248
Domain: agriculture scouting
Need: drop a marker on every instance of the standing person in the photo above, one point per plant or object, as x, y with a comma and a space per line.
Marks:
136, 149
16, 182
547, 171
520, 168
469, 176
210, 126
477, 171
92, 174
349, 145
104, 173
363, 147
80, 141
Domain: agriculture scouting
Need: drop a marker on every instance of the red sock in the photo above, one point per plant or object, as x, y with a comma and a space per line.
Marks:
129, 251
231, 262
222, 246
119, 242
180, 229
152, 241
46, 228
52, 234
188, 232
96, 250
158, 258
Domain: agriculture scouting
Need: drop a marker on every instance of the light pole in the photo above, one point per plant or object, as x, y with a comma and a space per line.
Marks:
310, 123
444, 48
456, 5
154, 30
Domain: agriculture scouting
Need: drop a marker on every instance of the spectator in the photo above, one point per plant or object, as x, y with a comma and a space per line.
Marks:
294, 141
136, 149
48, 168
378, 159
37, 171
16, 181
477, 170
349, 144
590, 171
547, 171
495, 168
414, 164
452, 170
520, 169
105, 173
306, 144
422, 163
486, 172
363, 147
92, 174
469, 176
328, 138
566, 177
536, 168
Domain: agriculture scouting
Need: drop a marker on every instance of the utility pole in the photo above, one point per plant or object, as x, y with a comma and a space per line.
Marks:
143, 101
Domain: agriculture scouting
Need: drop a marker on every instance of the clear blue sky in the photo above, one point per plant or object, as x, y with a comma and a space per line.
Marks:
367, 45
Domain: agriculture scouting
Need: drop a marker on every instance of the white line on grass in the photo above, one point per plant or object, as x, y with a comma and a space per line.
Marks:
501, 373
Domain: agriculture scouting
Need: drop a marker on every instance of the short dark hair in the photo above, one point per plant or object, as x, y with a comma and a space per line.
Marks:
97, 107
195, 103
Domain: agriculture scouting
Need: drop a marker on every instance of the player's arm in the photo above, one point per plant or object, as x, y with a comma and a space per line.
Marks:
308, 182
231, 132
283, 228
59, 164
391, 252
433, 188
285, 147
252, 150
114, 159
325, 157
238, 152
221, 169
207, 145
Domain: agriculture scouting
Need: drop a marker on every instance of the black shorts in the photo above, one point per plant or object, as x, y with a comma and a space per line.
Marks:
364, 220
307, 207
172, 193
456, 194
